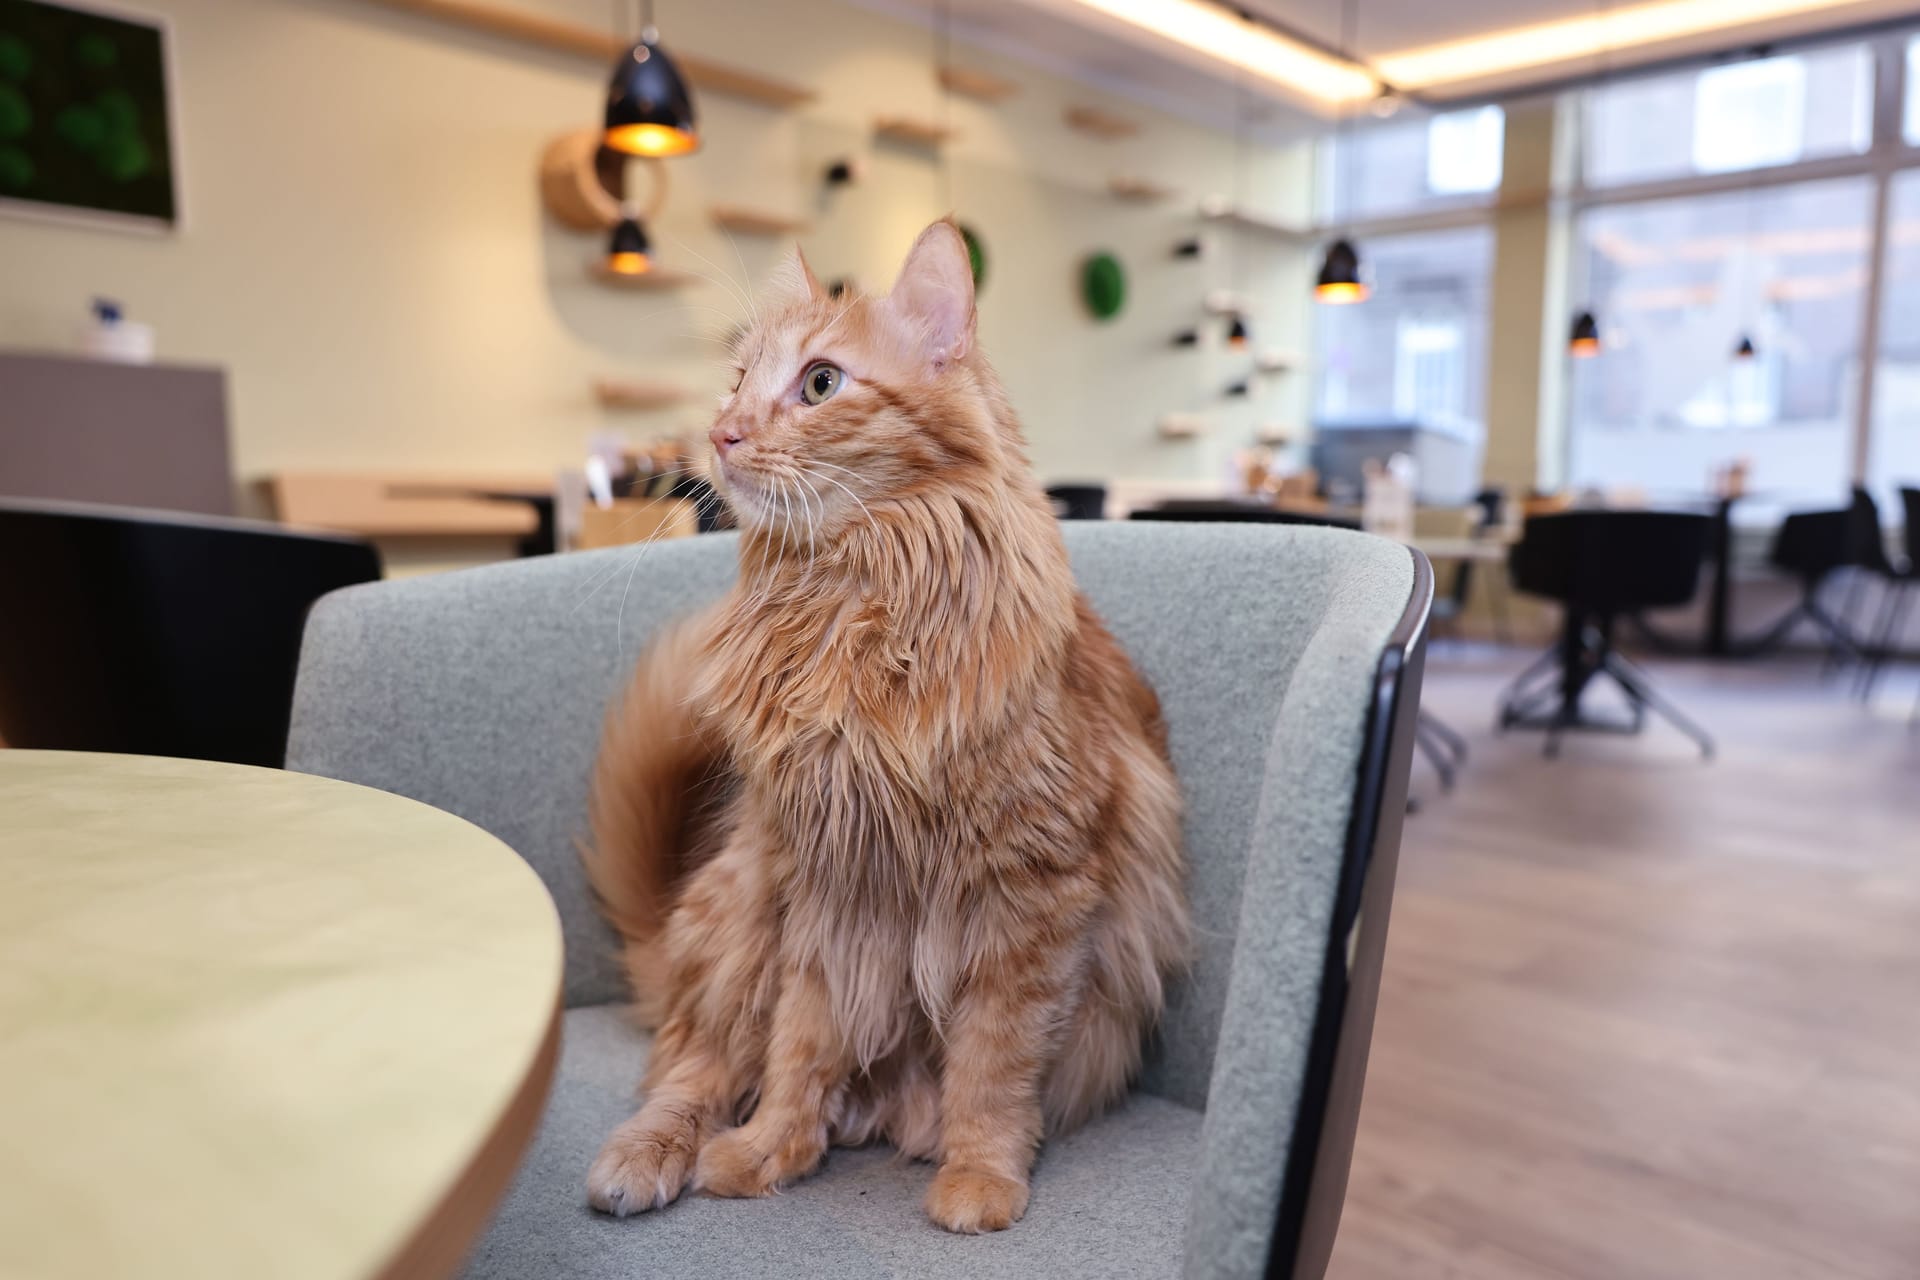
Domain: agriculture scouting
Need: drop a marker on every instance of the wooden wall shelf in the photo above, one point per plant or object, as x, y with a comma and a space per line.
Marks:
912, 133
978, 85
1140, 190
638, 395
1104, 125
755, 222
653, 281
1226, 215
602, 46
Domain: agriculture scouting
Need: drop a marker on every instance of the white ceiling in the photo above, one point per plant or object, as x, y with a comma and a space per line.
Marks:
1045, 34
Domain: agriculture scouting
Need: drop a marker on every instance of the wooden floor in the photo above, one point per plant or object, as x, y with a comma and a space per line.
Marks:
1648, 1017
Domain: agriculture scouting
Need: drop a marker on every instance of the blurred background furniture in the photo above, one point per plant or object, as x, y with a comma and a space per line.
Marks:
219, 983
482, 693
1078, 501
157, 634
76, 429
1899, 583
1599, 566
1813, 547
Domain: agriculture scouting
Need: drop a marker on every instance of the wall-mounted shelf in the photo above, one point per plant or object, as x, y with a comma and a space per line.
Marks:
978, 85
751, 86
1226, 214
1181, 426
625, 393
910, 132
1104, 125
658, 279
1275, 434
589, 42
755, 222
1142, 190
1274, 360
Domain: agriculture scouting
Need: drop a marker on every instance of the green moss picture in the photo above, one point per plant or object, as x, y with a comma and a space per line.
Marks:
1103, 285
84, 122
976, 254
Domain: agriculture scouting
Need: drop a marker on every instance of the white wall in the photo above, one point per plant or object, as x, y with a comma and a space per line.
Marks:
365, 252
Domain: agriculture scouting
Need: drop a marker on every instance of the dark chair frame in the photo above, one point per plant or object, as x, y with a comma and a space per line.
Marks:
1901, 581
1548, 694
1320, 1150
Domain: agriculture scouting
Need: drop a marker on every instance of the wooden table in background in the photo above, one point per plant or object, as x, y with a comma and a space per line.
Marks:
256, 1023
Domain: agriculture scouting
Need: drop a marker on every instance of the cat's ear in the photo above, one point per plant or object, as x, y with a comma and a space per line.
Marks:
934, 294
793, 282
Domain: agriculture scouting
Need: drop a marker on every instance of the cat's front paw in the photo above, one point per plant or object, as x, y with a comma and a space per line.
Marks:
752, 1161
646, 1164
973, 1200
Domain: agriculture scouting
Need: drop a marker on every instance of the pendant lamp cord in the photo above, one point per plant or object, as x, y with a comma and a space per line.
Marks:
1605, 55
1343, 135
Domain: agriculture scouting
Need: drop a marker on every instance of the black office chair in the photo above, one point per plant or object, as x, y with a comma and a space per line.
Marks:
1599, 566
1078, 501
1900, 581
154, 633
1442, 745
1813, 546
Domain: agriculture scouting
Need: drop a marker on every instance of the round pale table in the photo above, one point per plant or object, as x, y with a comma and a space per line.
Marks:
258, 1024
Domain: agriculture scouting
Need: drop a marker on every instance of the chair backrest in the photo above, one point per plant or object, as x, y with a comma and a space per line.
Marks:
1234, 511
1610, 562
482, 693
1078, 501
1866, 539
1812, 544
1910, 500
157, 633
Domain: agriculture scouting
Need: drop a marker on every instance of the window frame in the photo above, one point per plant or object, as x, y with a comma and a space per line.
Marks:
1889, 153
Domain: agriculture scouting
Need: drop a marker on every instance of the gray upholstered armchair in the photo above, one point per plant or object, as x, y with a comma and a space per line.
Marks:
1289, 663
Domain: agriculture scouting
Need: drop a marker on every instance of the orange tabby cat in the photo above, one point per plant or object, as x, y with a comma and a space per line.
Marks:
890, 831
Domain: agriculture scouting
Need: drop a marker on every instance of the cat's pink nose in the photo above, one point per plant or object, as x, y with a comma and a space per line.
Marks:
724, 438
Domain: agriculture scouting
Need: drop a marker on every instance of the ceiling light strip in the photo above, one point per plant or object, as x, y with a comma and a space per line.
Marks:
1216, 33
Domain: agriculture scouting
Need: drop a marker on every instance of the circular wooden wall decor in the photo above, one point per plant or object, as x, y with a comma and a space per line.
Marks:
583, 185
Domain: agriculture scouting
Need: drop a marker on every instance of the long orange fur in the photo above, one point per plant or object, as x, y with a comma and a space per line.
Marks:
890, 831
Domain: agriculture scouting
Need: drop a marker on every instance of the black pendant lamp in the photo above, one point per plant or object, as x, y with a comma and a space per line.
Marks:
1237, 334
1744, 351
1584, 340
649, 110
1339, 279
628, 253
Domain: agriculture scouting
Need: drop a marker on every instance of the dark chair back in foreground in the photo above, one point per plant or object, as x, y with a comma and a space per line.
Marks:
157, 634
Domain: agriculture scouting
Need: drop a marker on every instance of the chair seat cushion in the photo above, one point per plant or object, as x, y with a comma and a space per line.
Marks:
1109, 1200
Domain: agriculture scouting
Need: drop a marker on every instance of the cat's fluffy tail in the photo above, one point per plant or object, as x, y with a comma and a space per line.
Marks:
651, 797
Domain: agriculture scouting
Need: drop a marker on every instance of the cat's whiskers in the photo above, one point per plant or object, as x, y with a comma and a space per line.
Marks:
843, 488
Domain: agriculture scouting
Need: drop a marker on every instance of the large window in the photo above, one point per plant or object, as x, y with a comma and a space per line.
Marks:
1735, 117
1416, 350
1893, 451
1414, 163
1678, 284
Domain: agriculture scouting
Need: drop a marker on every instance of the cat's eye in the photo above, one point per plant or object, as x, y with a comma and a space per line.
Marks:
820, 381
